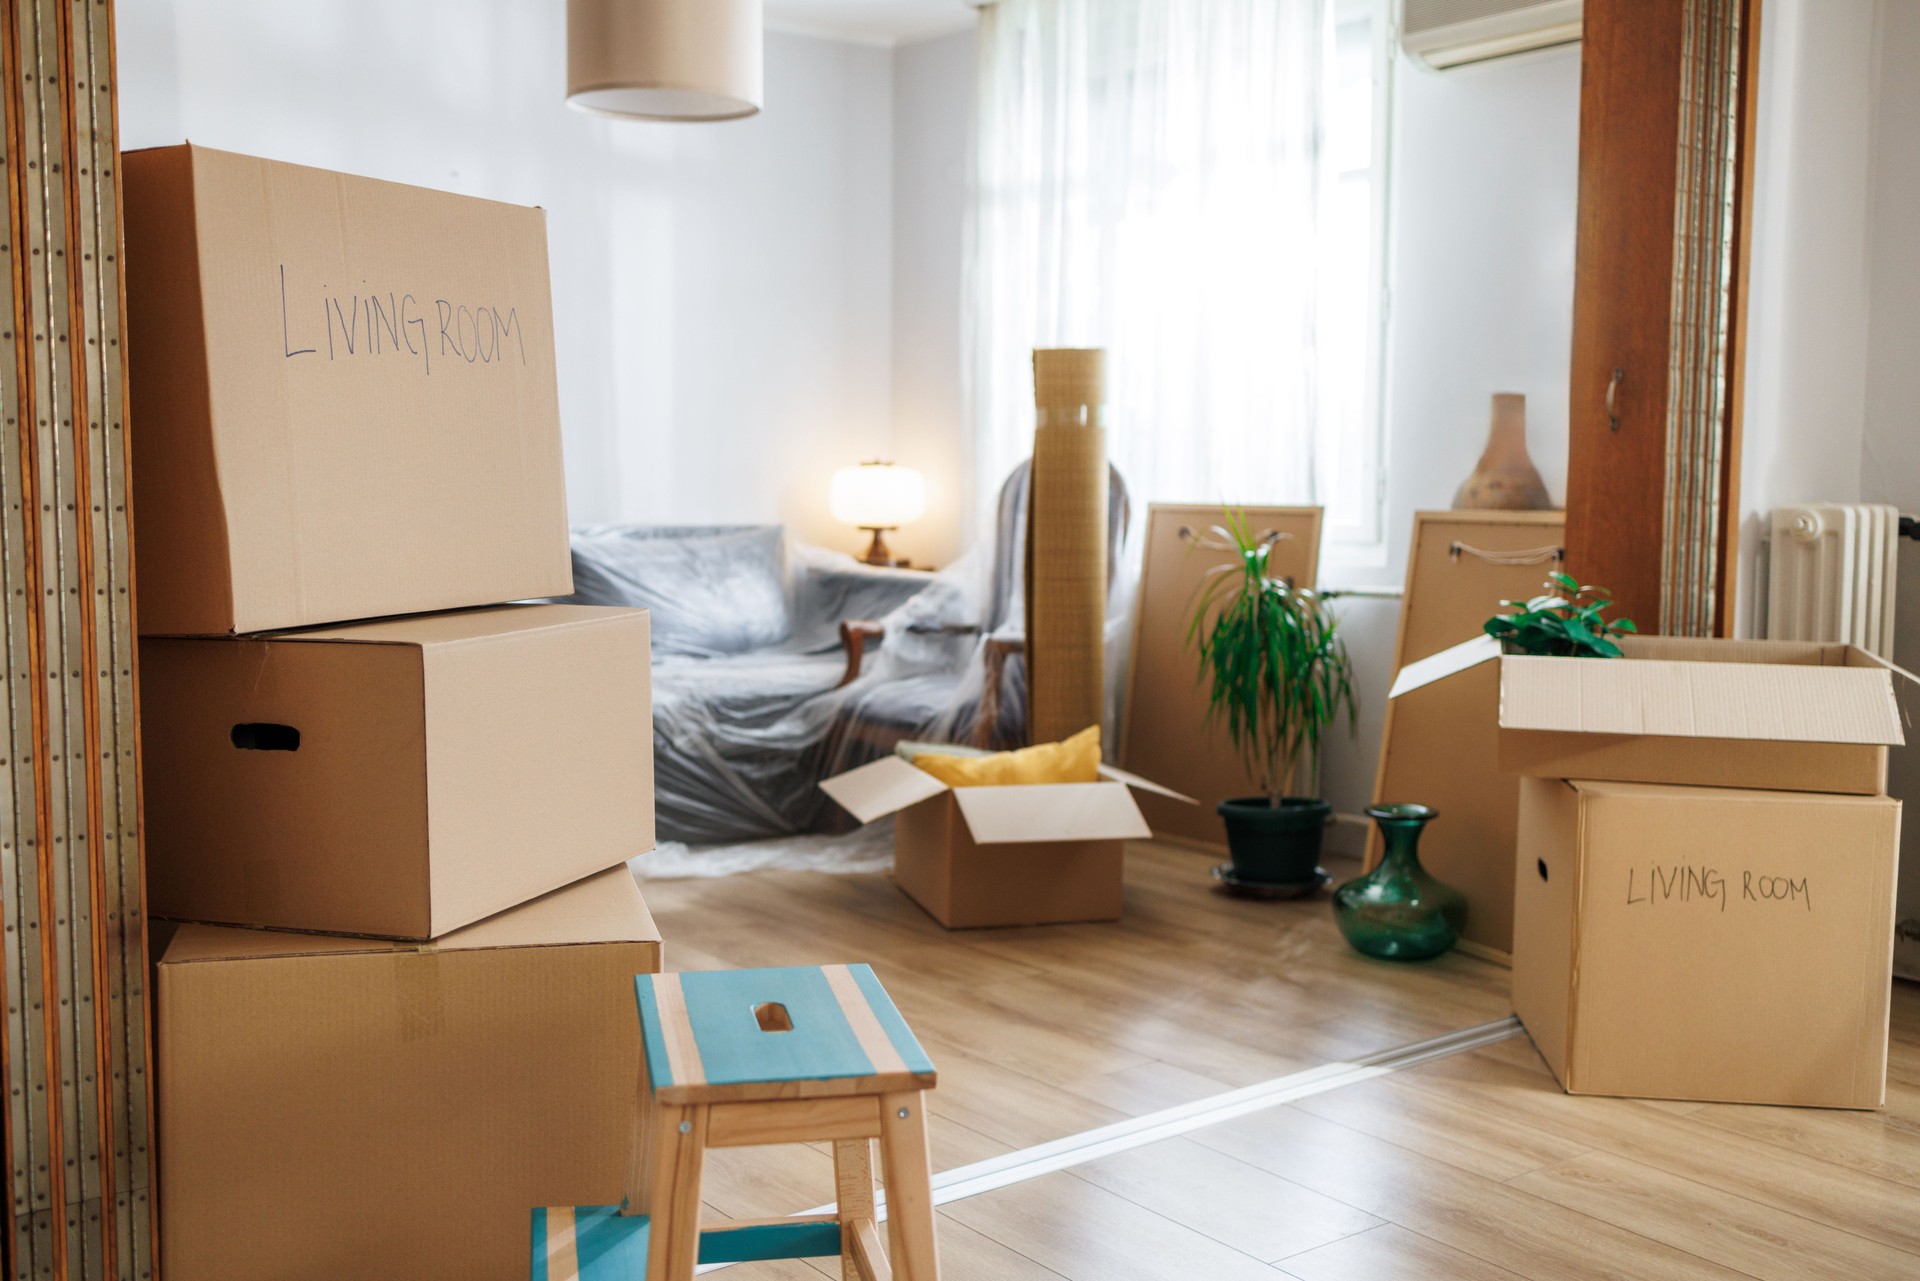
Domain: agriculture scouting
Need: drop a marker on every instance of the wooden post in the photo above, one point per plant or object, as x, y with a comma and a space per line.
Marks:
1666, 126
75, 1040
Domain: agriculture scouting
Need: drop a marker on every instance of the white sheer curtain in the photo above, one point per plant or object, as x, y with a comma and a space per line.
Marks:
1148, 178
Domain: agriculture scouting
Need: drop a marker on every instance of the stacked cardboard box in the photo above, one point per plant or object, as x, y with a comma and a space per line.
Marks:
1704, 882
419, 799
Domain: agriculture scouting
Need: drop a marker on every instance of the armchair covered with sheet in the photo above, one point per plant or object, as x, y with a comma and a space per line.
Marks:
982, 697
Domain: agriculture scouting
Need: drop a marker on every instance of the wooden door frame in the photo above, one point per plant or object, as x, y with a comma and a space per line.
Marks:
1634, 429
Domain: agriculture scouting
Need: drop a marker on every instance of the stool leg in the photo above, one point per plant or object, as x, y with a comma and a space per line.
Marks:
909, 1180
676, 1145
853, 1183
638, 1193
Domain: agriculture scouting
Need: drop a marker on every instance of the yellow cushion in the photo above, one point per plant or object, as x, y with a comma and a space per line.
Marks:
1076, 760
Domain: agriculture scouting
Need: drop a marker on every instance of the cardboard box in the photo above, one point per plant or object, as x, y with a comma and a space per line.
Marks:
335, 1107
1790, 715
1044, 854
398, 779
1703, 943
343, 400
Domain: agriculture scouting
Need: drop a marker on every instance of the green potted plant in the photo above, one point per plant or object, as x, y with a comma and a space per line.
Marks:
1277, 675
1567, 621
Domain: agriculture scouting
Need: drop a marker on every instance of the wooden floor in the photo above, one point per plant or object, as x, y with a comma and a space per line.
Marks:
1475, 1166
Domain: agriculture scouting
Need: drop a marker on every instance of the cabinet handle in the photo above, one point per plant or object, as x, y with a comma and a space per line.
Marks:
1613, 386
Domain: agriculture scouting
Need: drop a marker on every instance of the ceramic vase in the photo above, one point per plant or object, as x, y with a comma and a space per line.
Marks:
1505, 478
1397, 911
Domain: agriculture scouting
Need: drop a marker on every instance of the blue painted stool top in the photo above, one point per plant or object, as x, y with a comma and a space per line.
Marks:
704, 1038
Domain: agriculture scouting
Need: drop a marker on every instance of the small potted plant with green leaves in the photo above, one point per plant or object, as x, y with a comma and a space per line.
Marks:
1567, 621
1276, 673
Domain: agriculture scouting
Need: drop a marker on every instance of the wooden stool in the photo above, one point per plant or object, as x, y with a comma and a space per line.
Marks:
740, 1058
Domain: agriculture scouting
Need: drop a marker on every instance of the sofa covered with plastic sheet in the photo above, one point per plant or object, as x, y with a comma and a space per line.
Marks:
747, 665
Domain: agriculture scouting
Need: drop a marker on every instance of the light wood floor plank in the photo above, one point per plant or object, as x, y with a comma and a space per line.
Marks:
1086, 1233
1449, 1130
1871, 1142
1239, 1205
1760, 1240
1151, 1087
1687, 1146
1391, 1253
1475, 1215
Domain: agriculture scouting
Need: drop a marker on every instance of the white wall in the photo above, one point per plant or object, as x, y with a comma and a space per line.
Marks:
722, 292
933, 94
1485, 171
1809, 277
1890, 435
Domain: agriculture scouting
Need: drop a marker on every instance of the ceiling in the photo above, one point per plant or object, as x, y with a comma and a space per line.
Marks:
874, 21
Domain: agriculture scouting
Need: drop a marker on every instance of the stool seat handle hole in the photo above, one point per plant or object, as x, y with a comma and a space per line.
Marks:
773, 1017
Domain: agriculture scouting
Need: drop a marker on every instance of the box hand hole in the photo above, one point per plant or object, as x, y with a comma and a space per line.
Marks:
262, 736
773, 1017
1542, 865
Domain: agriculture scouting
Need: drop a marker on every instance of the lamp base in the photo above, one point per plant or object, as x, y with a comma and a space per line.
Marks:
877, 552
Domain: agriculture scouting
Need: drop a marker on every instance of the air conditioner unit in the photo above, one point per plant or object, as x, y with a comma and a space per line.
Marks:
1449, 33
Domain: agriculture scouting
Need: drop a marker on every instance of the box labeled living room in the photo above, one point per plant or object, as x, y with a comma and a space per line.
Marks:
960, 640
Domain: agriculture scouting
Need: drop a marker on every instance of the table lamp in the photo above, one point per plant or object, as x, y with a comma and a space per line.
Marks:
878, 496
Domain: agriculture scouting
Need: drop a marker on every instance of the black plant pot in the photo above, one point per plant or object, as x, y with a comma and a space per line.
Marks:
1277, 849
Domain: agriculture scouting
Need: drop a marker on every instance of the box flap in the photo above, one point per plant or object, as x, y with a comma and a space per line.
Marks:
1118, 775
1718, 649
883, 787
1051, 812
454, 627
604, 908
1662, 698
1454, 658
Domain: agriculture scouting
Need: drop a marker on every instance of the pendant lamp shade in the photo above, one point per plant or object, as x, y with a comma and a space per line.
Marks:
665, 59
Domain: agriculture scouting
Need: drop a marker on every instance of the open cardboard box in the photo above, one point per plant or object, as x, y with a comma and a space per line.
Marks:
1774, 715
1706, 943
398, 779
1042, 854
336, 1108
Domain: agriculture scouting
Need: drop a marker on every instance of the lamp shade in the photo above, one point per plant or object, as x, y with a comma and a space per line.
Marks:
665, 59
878, 495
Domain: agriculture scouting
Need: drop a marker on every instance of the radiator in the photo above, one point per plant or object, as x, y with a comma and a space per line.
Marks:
1831, 574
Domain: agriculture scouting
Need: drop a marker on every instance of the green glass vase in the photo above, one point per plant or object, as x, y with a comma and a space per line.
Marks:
1397, 911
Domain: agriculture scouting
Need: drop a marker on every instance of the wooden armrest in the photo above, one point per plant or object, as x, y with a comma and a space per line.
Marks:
855, 635
996, 652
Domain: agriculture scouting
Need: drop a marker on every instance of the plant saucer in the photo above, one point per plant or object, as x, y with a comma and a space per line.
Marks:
1223, 873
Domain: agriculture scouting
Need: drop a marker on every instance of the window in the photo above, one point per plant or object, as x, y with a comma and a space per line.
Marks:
1190, 184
